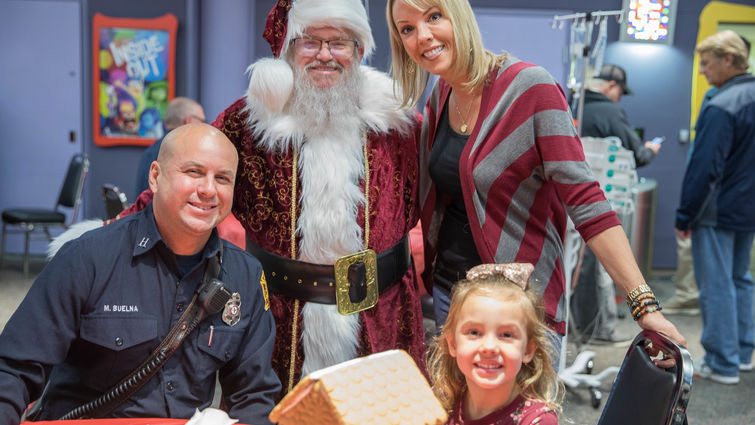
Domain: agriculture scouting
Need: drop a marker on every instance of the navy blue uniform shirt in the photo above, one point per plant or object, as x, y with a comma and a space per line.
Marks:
101, 306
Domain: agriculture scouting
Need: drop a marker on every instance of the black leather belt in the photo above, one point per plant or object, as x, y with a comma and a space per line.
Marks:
317, 283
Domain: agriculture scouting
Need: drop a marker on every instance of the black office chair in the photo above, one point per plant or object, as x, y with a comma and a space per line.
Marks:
26, 220
115, 200
645, 394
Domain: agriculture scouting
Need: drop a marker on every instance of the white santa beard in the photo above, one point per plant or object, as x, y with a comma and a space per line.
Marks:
326, 110
331, 167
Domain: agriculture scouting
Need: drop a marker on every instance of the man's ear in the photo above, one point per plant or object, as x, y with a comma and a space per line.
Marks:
361, 53
154, 171
728, 59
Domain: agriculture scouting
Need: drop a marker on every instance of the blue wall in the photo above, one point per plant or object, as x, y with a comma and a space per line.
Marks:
219, 39
660, 105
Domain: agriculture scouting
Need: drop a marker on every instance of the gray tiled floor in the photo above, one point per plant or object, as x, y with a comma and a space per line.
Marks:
710, 403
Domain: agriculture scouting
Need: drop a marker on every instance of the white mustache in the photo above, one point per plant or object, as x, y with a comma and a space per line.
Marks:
321, 63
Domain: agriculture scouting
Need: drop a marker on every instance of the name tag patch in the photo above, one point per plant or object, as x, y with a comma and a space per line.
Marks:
120, 308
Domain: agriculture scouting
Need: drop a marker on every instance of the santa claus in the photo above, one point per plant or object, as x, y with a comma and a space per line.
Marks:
328, 176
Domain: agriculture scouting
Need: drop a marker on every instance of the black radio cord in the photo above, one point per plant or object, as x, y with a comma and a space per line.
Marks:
212, 297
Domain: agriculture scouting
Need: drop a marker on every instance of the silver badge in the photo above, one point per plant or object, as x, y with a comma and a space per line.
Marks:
232, 311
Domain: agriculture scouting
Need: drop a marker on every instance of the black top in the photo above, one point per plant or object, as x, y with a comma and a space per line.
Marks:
187, 262
457, 252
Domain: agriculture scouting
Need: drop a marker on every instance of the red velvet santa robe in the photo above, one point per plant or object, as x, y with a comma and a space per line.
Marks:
262, 203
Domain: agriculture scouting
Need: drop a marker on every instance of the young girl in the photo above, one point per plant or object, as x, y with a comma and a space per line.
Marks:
492, 362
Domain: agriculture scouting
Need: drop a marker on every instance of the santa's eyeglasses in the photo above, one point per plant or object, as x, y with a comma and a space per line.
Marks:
310, 47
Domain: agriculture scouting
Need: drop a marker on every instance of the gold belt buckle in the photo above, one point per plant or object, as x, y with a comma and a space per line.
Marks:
343, 301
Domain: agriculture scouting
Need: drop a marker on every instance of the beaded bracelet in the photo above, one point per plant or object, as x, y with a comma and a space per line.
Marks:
644, 306
647, 310
642, 297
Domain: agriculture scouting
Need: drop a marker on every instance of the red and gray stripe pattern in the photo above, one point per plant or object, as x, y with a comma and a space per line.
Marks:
522, 171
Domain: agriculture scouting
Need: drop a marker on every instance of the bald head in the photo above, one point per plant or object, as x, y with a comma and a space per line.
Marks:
193, 181
194, 134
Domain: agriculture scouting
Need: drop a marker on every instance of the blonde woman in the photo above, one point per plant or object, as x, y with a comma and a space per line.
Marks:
501, 165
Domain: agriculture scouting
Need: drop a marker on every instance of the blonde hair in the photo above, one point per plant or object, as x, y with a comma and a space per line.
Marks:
723, 43
471, 58
537, 379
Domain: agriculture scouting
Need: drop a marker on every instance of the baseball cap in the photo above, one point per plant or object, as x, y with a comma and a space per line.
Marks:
611, 72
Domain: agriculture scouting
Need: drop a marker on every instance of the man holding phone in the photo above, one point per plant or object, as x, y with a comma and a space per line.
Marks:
603, 118
657, 140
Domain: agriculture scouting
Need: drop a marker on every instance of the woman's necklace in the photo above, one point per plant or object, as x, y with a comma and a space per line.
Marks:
464, 118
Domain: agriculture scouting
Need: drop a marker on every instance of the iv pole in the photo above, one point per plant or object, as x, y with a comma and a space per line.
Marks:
590, 18
574, 375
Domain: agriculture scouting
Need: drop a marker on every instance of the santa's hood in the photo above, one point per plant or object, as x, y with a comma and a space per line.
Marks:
73, 232
271, 84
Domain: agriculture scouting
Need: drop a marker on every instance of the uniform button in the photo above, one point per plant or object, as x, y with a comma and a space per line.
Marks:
118, 341
180, 307
169, 386
227, 355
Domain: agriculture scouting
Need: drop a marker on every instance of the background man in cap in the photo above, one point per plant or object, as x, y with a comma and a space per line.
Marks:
595, 306
716, 209
328, 164
603, 118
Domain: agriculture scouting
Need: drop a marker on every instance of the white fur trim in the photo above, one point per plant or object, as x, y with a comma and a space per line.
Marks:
380, 111
73, 232
331, 167
348, 14
328, 337
271, 81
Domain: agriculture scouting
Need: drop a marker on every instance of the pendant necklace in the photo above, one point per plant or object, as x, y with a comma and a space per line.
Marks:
464, 118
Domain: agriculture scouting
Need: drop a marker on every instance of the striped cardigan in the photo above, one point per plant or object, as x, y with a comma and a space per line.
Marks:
522, 171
